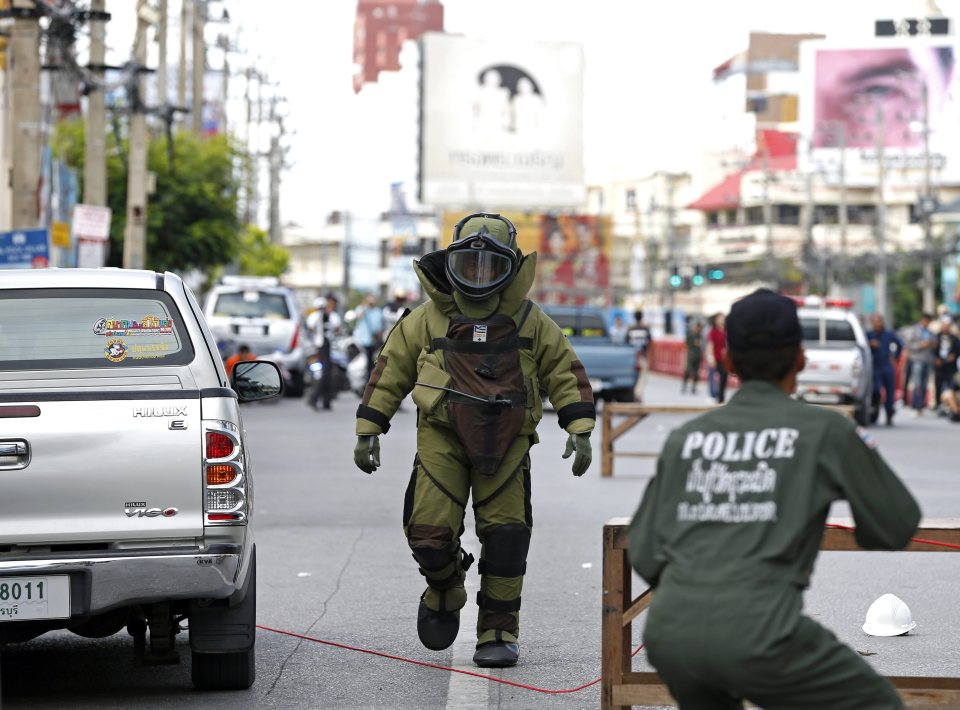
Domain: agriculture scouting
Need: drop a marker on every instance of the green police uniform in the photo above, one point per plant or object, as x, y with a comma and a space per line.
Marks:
476, 369
727, 533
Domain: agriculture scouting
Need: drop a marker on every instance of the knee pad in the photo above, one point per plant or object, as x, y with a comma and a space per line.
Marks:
505, 550
443, 563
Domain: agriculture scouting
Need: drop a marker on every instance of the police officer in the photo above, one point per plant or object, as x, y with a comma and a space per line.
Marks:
475, 355
730, 525
885, 347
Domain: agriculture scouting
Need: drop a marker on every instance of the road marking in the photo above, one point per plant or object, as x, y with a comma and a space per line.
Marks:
465, 691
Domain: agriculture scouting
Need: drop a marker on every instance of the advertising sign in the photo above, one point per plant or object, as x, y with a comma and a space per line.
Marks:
574, 261
25, 249
896, 97
91, 222
501, 123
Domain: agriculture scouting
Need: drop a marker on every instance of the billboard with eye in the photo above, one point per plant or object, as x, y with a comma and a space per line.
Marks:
899, 97
501, 123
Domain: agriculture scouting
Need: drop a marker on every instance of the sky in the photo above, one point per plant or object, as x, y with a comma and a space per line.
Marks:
647, 83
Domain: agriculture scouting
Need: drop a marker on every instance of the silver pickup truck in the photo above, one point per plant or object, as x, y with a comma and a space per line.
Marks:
126, 495
839, 365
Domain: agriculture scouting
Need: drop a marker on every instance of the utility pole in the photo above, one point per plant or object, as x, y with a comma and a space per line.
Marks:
671, 253
809, 258
162, 98
926, 205
773, 270
881, 278
841, 271
182, 66
24, 77
95, 155
135, 239
199, 63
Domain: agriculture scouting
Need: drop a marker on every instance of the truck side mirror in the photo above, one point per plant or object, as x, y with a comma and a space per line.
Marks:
256, 380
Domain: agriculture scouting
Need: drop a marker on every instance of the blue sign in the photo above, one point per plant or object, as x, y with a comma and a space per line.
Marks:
25, 249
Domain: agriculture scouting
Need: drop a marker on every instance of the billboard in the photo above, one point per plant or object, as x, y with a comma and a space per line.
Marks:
501, 123
573, 261
887, 97
25, 249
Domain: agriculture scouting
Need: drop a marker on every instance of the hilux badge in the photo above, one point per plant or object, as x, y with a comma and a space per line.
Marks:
170, 410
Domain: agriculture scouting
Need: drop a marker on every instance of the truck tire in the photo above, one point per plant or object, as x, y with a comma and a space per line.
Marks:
224, 671
231, 628
861, 413
297, 384
624, 395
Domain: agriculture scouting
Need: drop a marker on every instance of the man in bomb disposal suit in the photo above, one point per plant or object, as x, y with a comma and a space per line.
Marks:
476, 356
731, 523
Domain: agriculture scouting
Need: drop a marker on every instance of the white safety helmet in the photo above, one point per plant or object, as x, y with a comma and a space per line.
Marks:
888, 616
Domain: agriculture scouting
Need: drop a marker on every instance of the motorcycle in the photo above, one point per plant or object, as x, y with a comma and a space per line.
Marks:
349, 363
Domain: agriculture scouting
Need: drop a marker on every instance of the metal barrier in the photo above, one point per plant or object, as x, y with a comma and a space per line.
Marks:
621, 687
635, 413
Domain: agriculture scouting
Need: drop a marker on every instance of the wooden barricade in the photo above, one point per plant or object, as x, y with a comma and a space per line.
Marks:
632, 413
622, 687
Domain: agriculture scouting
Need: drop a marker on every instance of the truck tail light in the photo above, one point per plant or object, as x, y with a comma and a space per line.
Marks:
296, 338
225, 500
219, 446
856, 370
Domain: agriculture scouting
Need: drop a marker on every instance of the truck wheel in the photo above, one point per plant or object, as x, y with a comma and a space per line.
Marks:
862, 414
296, 384
223, 640
624, 395
224, 671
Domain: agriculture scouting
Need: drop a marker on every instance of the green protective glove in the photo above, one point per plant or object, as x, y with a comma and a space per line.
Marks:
581, 444
366, 454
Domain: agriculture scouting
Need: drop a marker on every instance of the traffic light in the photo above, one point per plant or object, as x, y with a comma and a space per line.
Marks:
676, 281
697, 275
715, 274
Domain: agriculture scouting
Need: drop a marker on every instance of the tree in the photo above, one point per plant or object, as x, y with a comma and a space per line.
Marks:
192, 218
260, 257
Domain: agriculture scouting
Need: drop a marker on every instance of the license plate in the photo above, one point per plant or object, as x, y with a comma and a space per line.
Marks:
821, 398
596, 385
23, 598
250, 330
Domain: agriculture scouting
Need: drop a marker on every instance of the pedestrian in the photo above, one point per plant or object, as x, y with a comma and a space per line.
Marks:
618, 330
711, 370
730, 525
639, 337
885, 348
949, 398
945, 356
716, 347
395, 308
694, 357
243, 354
368, 330
921, 349
325, 323
475, 356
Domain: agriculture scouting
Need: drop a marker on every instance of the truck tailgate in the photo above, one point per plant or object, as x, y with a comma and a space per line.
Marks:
78, 469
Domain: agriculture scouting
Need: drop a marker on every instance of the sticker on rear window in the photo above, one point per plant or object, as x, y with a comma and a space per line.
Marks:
116, 350
148, 325
149, 350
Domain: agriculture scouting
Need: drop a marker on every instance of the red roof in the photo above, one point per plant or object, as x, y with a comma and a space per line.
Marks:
724, 196
776, 151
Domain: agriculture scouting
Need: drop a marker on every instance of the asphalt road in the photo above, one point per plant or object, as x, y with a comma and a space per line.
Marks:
333, 565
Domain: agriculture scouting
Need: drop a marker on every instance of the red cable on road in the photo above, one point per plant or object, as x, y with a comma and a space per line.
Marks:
515, 684
438, 667
920, 540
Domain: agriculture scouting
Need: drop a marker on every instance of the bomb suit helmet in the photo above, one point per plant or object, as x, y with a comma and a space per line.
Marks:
483, 258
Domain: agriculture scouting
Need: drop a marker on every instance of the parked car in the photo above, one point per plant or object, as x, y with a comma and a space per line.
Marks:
839, 366
611, 367
259, 312
127, 487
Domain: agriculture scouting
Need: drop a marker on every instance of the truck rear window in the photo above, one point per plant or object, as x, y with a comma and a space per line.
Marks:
252, 304
835, 330
53, 329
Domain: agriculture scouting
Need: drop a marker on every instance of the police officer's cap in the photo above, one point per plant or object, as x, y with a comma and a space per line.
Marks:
764, 320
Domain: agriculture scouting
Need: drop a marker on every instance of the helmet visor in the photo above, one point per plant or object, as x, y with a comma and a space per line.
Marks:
478, 272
